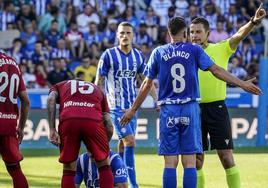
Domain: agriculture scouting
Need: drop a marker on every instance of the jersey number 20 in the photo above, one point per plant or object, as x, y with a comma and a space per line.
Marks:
178, 78
13, 86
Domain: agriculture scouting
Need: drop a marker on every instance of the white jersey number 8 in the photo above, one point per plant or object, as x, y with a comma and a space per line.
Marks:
81, 88
178, 78
14, 82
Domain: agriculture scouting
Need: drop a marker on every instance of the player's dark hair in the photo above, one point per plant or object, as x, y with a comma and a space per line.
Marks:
203, 21
126, 24
176, 24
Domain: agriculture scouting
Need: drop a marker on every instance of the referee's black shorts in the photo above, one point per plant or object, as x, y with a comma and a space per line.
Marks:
216, 127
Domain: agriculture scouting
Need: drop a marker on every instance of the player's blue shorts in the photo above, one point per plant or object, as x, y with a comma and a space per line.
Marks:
129, 129
180, 131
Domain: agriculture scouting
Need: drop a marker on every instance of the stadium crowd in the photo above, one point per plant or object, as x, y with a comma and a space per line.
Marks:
59, 39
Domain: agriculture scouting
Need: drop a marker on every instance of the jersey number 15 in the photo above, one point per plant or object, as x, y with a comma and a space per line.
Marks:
83, 87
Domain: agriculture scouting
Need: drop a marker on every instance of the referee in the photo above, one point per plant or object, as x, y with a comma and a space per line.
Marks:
214, 114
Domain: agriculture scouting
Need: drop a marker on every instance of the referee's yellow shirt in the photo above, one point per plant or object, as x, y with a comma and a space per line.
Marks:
211, 88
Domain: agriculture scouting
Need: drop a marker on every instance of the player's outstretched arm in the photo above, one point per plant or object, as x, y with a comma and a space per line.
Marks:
51, 110
144, 90
108, 125
24, 110
247, 28
222, 74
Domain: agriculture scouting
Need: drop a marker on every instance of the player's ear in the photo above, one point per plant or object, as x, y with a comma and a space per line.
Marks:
208, 34
185, 34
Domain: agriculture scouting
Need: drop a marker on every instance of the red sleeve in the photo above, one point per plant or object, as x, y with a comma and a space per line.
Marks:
104, 104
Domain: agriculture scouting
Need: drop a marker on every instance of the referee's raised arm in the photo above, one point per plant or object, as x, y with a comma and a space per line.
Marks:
247, 28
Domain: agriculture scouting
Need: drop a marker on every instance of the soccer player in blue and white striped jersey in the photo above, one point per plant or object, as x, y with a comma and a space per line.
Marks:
87, 170
118, 69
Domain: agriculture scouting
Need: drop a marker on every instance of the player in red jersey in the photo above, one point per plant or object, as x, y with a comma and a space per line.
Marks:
83, 116
11, 133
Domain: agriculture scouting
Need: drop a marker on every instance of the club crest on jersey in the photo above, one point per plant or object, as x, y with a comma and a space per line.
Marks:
125, 73
123, 130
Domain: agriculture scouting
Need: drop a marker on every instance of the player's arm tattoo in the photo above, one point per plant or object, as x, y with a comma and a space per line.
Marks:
108, 125
24, 109
99, 81
51, 108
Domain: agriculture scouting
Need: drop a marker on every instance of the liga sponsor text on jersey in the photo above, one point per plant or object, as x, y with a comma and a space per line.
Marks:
80, 99
121, 70
87, 170
220, 54
11, 84
175, 66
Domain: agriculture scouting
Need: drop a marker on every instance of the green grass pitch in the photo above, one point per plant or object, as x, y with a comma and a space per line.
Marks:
42, 169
